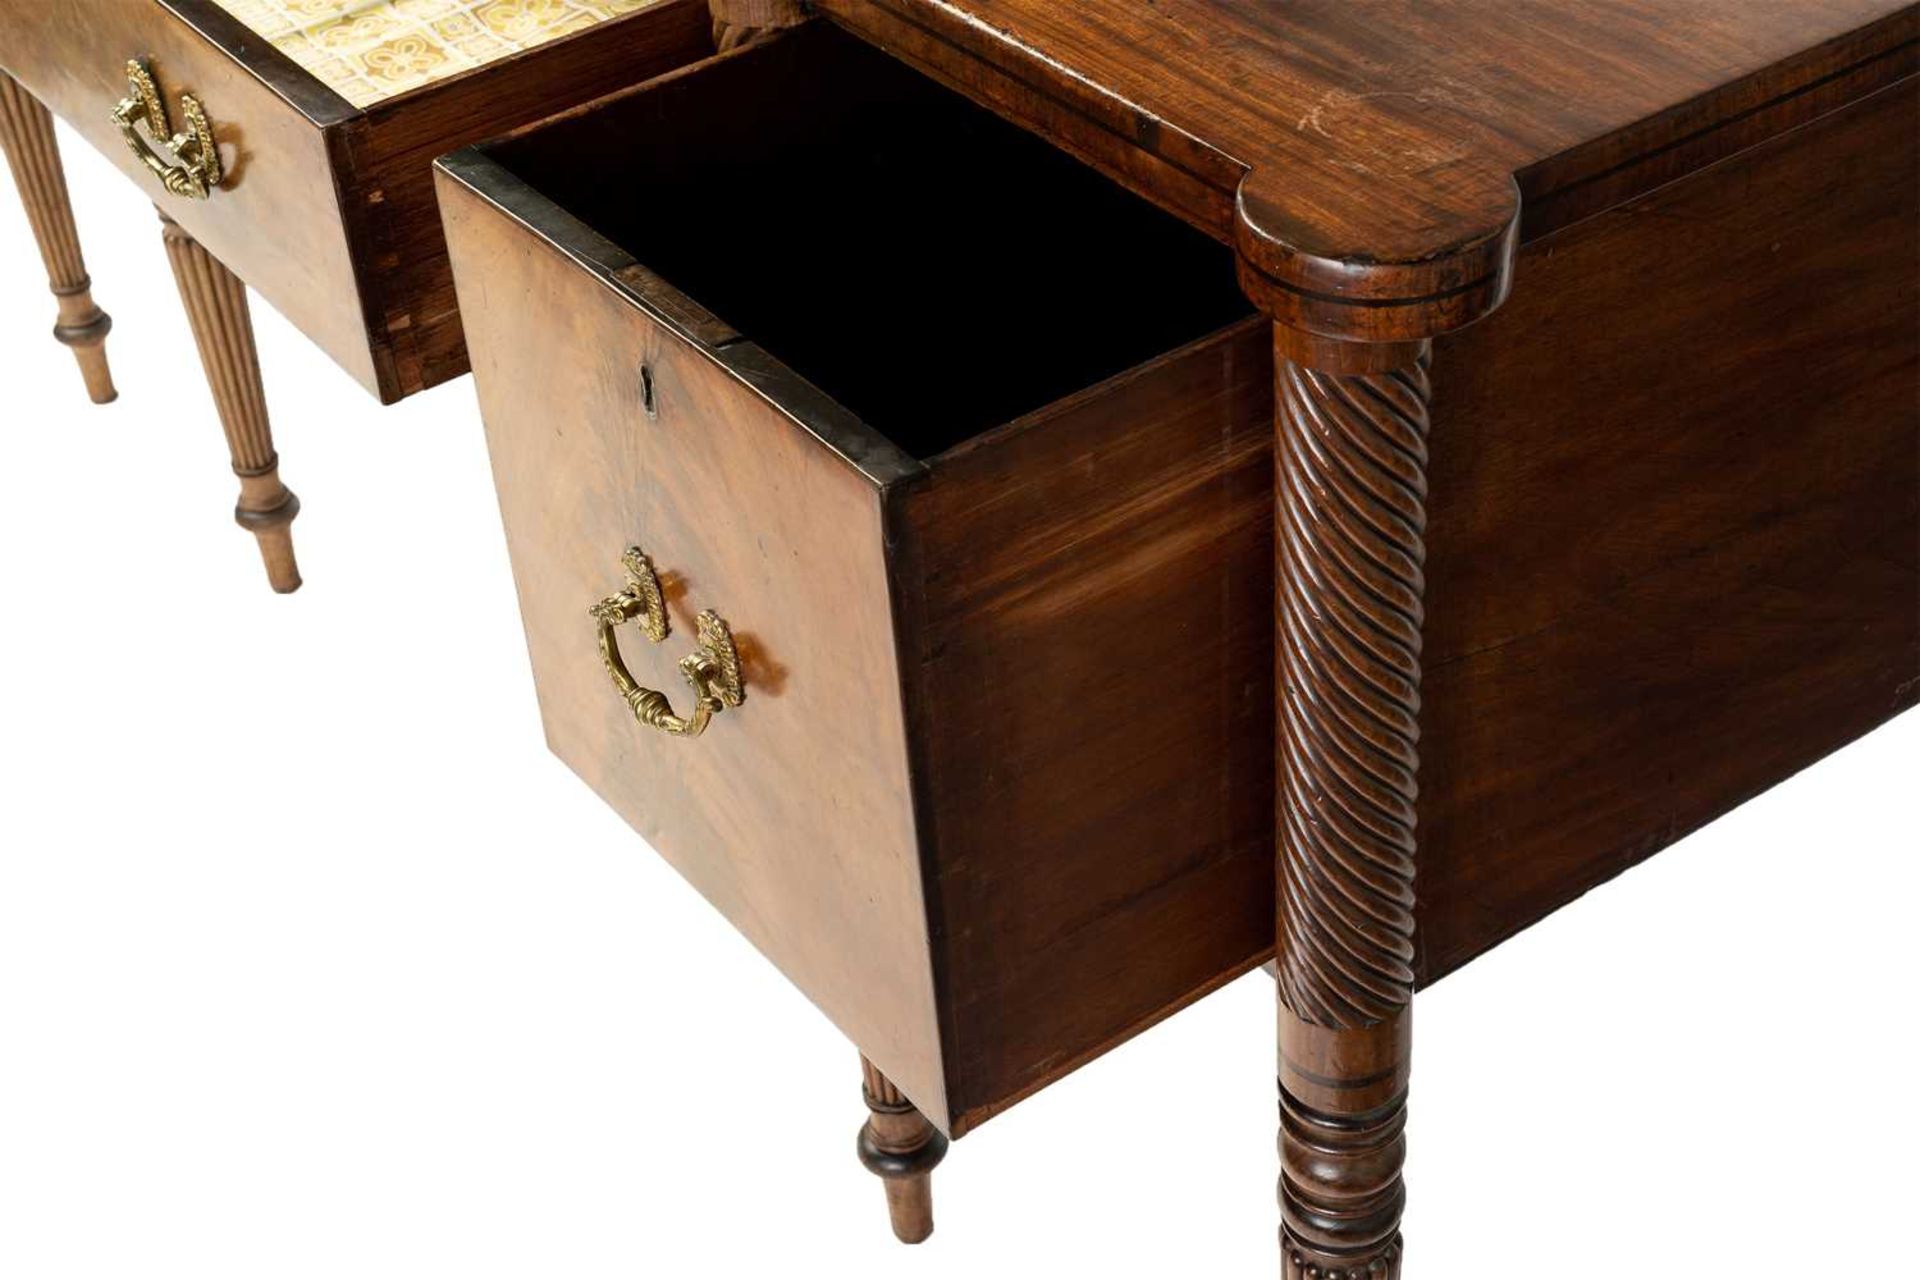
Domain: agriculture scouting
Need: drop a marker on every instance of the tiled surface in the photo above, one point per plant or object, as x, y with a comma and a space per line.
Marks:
369, 50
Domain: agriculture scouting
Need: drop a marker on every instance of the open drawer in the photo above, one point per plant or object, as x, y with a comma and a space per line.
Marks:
970, 450
322, 197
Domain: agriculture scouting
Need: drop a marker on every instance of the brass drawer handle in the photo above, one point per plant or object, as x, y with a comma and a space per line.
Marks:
713, 668
192, 164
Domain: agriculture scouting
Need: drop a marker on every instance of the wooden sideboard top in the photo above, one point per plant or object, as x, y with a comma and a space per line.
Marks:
1372, 160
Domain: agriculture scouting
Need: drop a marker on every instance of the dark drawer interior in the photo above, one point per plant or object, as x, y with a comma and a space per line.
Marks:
928, 409
934, 269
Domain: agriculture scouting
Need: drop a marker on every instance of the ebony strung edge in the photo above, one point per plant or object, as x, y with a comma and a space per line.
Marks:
867, 451
297, 87
906, 603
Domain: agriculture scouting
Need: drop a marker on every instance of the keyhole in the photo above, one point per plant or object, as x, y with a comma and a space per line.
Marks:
646, 391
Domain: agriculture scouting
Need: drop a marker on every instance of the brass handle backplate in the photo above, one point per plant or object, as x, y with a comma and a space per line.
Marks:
191, 165
713, 668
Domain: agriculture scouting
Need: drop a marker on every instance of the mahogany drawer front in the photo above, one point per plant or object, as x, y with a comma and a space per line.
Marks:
276, 219
823, 439
792, 813
325, 209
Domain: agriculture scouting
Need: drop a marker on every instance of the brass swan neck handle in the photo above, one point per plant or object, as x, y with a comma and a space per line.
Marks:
712, 669
191, 165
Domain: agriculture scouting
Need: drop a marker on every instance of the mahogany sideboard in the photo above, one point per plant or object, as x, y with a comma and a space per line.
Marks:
279, 161
1031, 507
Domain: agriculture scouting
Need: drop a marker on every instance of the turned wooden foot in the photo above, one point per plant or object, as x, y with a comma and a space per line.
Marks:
216, 303
26, 134
902, 1147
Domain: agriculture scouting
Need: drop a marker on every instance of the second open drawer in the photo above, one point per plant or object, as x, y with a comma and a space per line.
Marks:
969, 449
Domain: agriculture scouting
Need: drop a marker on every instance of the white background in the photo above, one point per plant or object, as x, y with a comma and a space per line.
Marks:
313, 963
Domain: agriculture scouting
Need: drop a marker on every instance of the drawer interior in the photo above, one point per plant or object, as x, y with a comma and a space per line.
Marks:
933, 268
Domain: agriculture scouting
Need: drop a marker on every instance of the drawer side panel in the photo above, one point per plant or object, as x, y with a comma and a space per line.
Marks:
1093, 677
792, 815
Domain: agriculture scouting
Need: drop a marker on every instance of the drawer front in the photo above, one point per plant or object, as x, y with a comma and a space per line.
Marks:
326, 210
275, 218
609, 428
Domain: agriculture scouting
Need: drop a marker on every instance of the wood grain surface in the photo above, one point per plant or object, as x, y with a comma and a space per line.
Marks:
1674, 553
1087, 608
1371, 161
792, 814
1081, 598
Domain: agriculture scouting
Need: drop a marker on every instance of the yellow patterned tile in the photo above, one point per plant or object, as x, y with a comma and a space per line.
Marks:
371, 50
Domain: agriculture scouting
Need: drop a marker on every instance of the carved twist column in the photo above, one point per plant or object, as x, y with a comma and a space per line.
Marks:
901, 1146
26, 134
1350, 477
737, 23
216, 303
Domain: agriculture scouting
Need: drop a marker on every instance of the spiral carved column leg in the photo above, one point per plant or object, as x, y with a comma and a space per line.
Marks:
216, 303
26, 134
1350, 520
902, 1147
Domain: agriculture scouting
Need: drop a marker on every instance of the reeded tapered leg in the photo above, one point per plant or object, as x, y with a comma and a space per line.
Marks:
1350, 522
216, 303
902, 1147
26, 133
